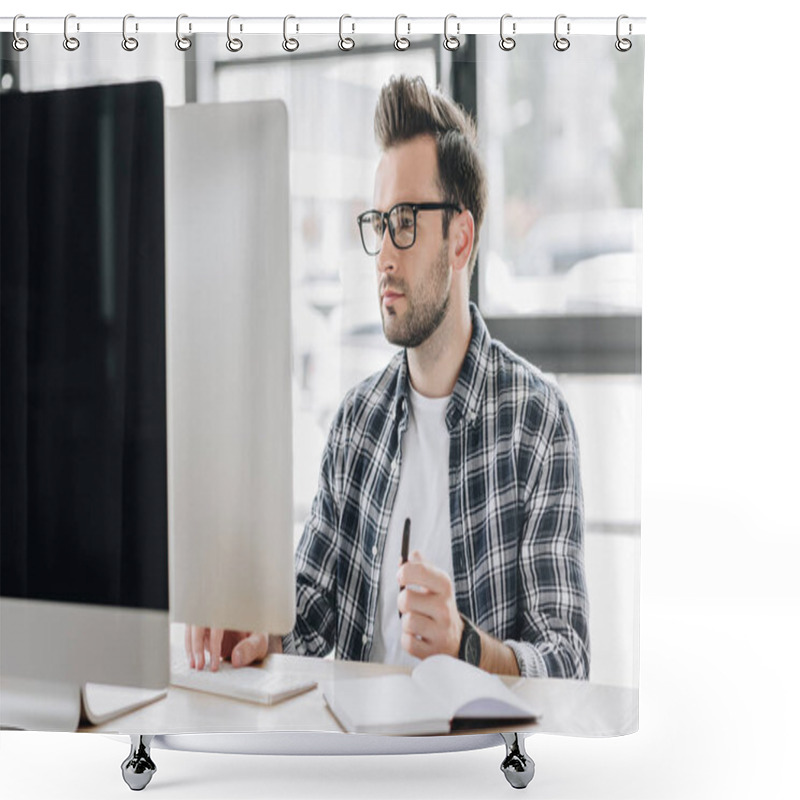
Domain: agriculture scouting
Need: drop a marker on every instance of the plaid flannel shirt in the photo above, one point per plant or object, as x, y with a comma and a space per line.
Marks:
516, 513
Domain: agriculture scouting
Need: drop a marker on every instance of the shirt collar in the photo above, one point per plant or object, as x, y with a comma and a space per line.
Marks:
468, 391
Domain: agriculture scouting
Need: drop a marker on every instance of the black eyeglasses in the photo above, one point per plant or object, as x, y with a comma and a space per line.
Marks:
402, 222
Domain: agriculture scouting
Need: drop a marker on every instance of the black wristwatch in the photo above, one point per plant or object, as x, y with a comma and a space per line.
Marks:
470, 648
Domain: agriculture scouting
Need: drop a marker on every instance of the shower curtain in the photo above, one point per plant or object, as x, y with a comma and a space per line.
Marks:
274, 181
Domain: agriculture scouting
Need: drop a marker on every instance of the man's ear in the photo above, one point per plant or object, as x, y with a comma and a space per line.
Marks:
462, 233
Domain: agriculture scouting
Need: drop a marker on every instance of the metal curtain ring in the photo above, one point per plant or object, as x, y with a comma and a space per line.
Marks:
345, 42
19, 44
128, 42
289, 44
507, 42
181, 42
623, 45
400, 42
561, 43
451, 42
70, 42
233, 45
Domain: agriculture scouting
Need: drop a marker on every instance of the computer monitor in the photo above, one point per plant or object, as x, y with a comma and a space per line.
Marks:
202, 415
84, 594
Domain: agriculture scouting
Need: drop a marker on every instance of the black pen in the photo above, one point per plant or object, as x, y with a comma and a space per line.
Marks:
404, 551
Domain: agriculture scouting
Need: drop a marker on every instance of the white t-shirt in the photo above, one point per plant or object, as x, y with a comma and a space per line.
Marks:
423, 496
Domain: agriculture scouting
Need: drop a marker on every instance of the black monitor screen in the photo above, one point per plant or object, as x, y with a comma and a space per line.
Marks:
83, 435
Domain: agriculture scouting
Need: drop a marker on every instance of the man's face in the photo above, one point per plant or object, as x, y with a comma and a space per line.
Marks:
413, 284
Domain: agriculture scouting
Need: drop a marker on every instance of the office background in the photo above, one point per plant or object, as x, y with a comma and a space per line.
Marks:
720, 536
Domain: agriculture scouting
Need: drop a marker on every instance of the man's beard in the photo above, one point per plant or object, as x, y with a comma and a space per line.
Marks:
424, 312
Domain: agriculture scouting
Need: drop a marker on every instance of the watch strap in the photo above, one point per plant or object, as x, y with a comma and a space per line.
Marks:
469, 635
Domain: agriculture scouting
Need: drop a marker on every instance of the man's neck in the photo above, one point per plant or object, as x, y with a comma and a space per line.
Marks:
435, 365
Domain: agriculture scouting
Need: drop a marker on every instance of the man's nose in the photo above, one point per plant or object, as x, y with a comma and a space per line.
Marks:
387, 255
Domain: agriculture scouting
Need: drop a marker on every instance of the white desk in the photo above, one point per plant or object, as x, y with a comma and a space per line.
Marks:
567, 707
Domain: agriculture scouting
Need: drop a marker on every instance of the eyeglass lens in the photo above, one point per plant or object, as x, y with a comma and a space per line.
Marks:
402, 228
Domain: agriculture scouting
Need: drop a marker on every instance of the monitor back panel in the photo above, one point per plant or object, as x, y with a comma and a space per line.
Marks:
229, 366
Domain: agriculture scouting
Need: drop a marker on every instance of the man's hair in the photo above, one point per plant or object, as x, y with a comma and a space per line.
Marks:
407, 108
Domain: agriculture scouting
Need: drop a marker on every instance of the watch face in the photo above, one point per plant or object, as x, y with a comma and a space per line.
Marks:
472, 649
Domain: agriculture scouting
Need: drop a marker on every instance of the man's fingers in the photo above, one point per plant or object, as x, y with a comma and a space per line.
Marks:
229, 640
253, 648
416, 647
198, 646
194, 641
420, 573
222, 644
419, 625
215, 647
187, 644
423, 603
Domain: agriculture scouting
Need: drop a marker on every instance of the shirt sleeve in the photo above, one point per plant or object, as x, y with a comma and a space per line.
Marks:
314, 632
553, 603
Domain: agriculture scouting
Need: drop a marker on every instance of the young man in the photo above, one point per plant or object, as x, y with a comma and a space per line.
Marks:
458, 435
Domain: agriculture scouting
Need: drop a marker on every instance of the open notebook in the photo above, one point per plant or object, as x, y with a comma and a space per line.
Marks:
442, 694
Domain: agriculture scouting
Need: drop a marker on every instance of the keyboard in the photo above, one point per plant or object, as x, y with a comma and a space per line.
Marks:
252, 684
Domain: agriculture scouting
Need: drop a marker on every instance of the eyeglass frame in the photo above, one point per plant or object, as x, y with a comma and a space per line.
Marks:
384, 216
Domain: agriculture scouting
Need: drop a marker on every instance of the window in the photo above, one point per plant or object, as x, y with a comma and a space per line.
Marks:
561, 135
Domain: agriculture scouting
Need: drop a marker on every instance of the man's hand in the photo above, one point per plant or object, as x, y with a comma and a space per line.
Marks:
242, 648
431, 622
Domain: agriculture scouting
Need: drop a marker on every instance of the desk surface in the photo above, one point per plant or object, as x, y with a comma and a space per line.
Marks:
567, 706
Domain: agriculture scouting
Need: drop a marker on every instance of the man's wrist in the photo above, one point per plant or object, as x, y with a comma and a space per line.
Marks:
497, 657
492, 654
